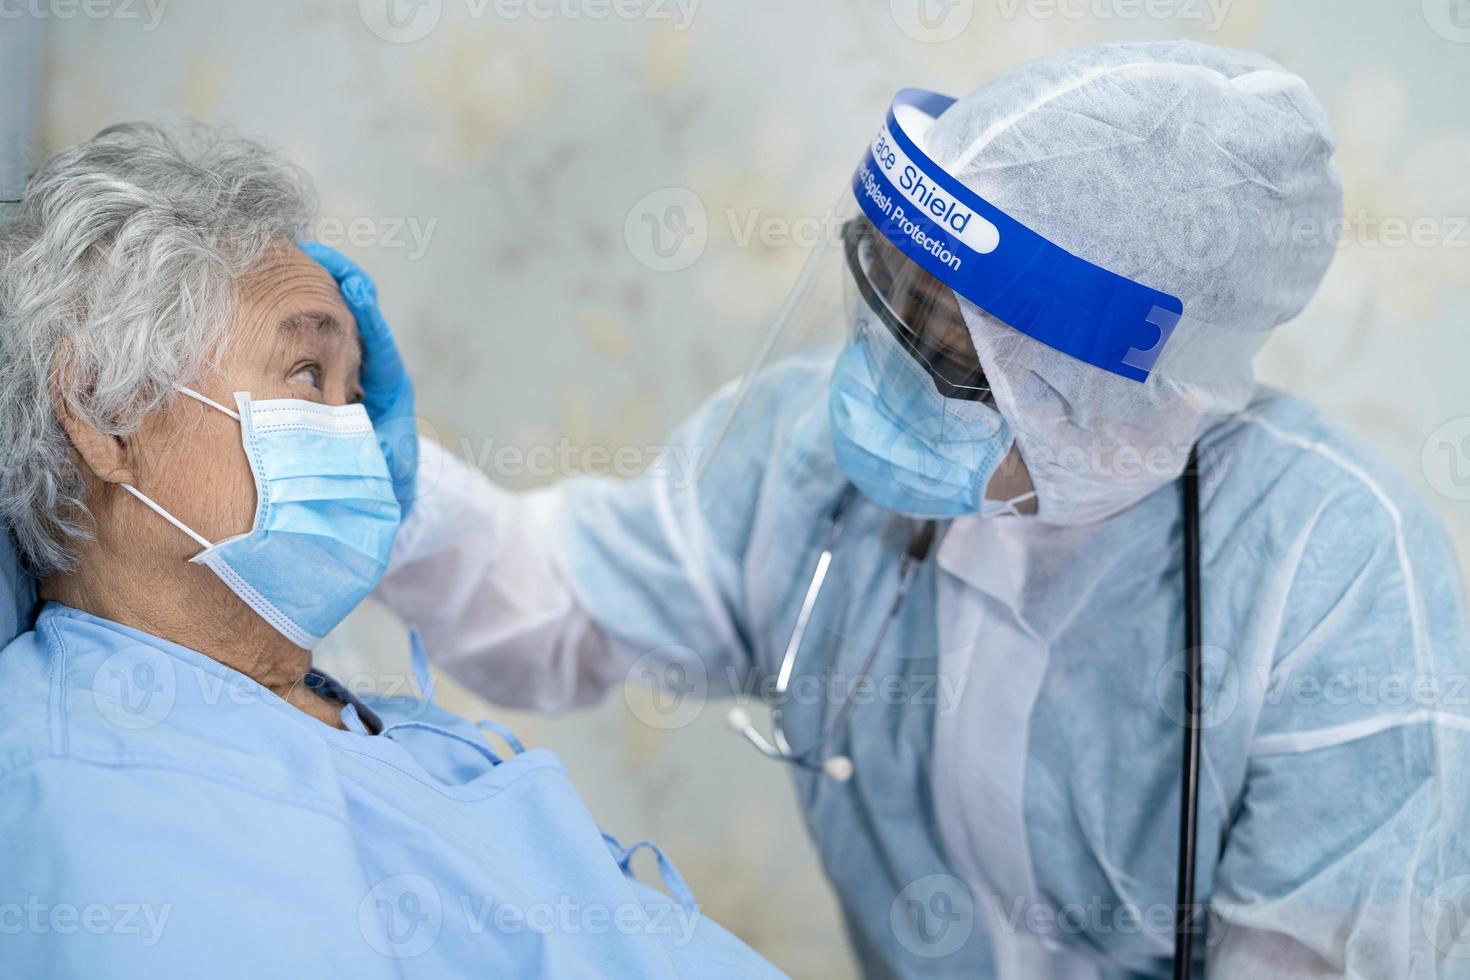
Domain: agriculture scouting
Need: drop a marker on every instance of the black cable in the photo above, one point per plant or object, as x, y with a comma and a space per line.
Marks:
1184, 922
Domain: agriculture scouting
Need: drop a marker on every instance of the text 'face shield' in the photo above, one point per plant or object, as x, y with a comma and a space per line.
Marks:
868, 377
908, 247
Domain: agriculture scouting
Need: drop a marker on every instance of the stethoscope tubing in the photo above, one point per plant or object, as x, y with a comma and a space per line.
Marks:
777, 747
1187, 914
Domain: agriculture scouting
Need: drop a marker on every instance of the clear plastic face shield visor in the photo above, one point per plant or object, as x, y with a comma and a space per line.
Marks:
885, 290
906, 248
856, 289
906, 245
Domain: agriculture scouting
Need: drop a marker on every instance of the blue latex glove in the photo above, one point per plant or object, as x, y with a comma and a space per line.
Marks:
387, 391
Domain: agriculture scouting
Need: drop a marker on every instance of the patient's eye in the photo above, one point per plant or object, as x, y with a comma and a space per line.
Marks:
309, 373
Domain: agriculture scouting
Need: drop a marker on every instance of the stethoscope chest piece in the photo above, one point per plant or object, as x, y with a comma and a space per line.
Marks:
835, 766
839, 767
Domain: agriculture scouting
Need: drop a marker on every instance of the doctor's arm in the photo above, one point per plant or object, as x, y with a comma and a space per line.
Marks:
473, 572
546, 599
542, 600
1349, 852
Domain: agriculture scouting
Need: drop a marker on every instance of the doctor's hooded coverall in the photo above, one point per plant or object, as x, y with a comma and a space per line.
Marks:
1029, 829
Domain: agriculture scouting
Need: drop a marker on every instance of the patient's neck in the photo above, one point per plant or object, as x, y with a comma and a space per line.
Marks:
190, 606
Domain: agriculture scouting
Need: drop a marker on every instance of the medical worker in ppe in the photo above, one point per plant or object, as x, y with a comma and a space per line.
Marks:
957, 479
191, 476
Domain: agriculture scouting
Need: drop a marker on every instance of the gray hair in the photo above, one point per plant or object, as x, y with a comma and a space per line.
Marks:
119, 275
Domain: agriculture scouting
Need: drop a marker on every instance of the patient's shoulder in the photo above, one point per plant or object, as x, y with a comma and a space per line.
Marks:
24, 702
90, 691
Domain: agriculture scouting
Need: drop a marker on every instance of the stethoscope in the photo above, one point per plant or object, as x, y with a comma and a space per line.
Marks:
921, 539
838, 767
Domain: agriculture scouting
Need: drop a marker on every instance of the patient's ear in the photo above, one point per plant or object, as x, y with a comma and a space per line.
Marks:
105, 456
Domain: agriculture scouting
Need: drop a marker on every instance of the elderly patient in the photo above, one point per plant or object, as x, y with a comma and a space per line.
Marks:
191, 478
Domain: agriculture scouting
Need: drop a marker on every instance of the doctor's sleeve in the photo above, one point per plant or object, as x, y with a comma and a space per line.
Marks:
1348, 854
546, 599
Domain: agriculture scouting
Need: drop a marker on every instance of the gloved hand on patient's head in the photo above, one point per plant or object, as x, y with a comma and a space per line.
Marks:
387, 390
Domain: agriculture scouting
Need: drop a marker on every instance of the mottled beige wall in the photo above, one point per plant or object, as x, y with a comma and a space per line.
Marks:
501, 171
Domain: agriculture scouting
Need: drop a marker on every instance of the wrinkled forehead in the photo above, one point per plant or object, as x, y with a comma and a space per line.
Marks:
288, 302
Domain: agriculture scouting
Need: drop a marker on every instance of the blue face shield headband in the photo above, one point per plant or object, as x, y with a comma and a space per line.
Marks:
999, 264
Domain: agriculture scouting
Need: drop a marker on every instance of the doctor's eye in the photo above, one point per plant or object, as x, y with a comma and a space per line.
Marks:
307, 373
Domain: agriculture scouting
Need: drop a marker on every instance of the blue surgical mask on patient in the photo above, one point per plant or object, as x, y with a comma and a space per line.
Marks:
325, 514
903, 444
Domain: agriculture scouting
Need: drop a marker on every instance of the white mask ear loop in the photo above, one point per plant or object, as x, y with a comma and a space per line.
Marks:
1006, 508
209, 401
202, 541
